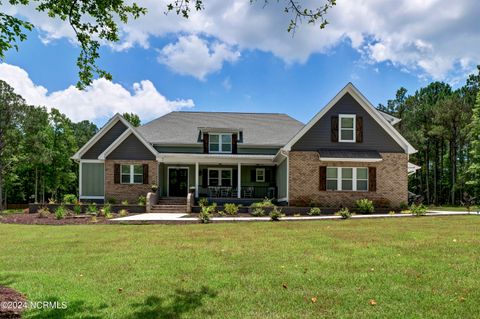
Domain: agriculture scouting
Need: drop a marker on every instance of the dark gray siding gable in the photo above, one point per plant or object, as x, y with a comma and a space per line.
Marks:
374, 136
105, 141
131, 149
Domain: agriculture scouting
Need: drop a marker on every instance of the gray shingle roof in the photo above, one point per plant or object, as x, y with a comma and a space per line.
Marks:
258, 128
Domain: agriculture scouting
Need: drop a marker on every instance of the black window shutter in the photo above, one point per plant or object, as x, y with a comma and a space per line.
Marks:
204, 177
116, 173
334, 131
205, 143
372, 179
359, 129
234, 143
253, 175
145, 173
268, 175
323, 179
235, 178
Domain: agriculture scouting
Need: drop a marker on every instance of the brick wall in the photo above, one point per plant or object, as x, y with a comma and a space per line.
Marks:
129, 192
392, 181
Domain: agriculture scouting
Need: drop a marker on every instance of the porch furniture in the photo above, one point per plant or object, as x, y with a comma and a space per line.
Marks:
248, 192
213, 191
225, 191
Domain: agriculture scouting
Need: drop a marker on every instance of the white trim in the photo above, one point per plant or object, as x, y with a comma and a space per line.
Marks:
131, 174
168, 177
357, 95
390, 118
122, 138
220, 169
92, 197
178, 158
340, 159
256, 175
283, 199
197, 172
347, 116
92, 161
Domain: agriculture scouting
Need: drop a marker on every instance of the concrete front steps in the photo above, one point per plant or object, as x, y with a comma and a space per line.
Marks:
176, 205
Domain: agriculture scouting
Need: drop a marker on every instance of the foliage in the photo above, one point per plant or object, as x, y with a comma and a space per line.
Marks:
106, 210
275, 213
124, 202
92, 208
265, 203
474, 134
392, 212
258, 212
154, 188
403, 205
111, 201
77, 209
60, 212
44, 212
123, 212
314, 211
142, 200
69, 199
203, 201
94, 219
52, 201
364, 206
418, 210
205, 214
468, 201
344, 212
231, 208
133, 118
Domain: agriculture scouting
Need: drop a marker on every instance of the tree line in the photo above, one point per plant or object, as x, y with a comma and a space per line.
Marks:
35, 149
443, 124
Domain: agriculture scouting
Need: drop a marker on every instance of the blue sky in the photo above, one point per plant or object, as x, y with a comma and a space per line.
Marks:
236, 71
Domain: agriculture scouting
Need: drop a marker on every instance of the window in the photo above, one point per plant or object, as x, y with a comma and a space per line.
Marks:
132, 174
347, 178
219, 177
260, 175
220, 143
346, 128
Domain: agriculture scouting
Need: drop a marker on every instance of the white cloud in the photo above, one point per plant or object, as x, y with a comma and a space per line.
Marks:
437, 38
102, 99
194, 56
227, 84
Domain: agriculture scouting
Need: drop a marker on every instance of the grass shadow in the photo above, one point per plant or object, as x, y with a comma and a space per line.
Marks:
182, 302
72, 309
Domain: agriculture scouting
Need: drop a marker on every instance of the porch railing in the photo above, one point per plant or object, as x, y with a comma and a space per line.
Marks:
232, 192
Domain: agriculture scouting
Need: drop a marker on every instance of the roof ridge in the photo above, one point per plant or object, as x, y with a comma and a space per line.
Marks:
231, 112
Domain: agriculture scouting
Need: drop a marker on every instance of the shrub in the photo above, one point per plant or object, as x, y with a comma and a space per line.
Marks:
142, 200
77, 209
392, 212
364, 206
265, 203
124, 202
203, 202
231, 209
405, 211
344, 212
106, 210
69, 199
108, 215
52, 201
111, 201
314, 211
206, 213
92, 208
418, 210
275, 214
60, 212
43, 212
123, 213
296, 215
258, 212
94, 219
403, 206
154, 188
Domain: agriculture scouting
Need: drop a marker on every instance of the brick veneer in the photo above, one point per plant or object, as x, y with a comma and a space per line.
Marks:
129, 192
304, 181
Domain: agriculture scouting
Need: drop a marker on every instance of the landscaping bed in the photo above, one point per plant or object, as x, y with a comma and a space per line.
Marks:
35, 219
135, 209
11, 303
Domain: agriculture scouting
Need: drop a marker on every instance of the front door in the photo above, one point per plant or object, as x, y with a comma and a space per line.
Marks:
177, 182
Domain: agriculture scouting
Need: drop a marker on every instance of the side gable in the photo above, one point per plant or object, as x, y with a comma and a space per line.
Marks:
374, 136
108, 138
131, 148
384, 137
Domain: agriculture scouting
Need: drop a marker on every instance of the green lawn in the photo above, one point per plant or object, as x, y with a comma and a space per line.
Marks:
412, 267
454, 208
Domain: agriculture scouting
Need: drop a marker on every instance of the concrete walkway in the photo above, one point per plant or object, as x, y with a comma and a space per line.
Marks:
180, 217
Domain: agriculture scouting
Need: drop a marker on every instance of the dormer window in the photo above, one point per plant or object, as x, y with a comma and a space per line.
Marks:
346, 128
220, 143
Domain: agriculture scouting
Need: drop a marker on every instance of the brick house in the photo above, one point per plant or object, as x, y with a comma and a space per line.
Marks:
347, 151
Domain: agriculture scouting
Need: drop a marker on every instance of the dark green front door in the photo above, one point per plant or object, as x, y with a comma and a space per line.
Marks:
178, 182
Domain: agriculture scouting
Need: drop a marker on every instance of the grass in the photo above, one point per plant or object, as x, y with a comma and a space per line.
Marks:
413, 268
11, 211
454, 208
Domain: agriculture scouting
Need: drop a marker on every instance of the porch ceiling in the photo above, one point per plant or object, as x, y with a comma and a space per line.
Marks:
175, 158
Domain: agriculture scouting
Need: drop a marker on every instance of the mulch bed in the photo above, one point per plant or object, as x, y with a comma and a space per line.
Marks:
34, 219
11, 302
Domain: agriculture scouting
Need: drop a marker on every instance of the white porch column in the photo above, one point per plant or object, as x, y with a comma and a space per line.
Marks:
239, 180
196, 179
